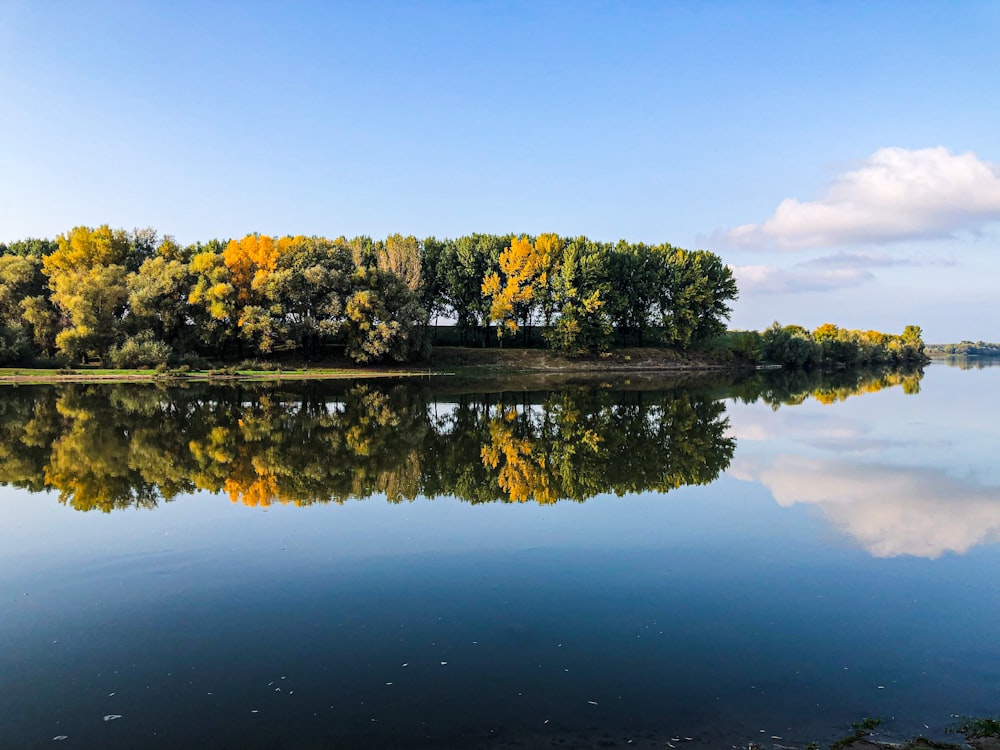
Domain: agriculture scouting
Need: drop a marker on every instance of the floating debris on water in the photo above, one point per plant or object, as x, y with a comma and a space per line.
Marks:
112, 717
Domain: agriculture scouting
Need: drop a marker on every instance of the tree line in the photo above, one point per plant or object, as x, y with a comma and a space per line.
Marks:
968, 348
827, 347
134, 299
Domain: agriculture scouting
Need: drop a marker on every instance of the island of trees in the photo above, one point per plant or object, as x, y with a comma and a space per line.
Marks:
966, 349
130, 299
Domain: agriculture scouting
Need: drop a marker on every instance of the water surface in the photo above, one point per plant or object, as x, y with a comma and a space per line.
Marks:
445, 565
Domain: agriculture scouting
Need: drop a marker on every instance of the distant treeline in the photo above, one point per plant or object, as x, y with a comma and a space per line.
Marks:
131, 299
827, 347
974, 348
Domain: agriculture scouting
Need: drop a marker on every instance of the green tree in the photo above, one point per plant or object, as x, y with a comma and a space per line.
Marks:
385, 320
158, 301
304, 297
143, 244
579, 289
464, 263
635, 276
31, 247
791, 346
694, 305
432, 293
20, 278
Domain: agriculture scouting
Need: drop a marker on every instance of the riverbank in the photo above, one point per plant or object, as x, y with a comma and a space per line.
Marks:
98, 375
445, 360
978, 733
719, 738
635, 359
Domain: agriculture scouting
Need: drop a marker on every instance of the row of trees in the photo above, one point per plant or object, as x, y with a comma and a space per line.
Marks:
131, 298
969, 348
828, 346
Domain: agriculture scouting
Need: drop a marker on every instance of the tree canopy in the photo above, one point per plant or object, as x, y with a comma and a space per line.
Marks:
132, 298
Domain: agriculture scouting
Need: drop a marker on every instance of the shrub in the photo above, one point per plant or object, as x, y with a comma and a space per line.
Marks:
141, 350
258, 365
190, 360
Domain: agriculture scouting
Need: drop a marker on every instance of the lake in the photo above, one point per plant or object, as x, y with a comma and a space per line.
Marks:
543, 562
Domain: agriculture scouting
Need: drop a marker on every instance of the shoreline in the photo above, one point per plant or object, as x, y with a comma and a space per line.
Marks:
445, 361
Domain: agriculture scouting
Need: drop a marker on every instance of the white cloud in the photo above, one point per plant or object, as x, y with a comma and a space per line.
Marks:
774, 280
896, 194
889, 510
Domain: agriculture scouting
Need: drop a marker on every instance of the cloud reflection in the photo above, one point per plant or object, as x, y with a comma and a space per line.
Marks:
890, 510
827, 432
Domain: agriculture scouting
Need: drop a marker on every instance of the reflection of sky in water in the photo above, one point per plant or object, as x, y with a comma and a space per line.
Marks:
904, 475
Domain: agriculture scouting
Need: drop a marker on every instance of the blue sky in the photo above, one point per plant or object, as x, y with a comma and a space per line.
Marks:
842, 157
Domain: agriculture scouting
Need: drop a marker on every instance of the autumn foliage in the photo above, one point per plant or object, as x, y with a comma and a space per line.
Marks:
132, 299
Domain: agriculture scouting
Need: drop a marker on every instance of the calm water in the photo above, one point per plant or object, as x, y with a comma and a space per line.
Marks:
439, 565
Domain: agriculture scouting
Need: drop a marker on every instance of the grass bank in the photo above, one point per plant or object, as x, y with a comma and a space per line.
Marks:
445, 360
96, 374
645, 359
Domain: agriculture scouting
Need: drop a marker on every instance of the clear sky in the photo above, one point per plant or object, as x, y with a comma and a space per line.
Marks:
841, 156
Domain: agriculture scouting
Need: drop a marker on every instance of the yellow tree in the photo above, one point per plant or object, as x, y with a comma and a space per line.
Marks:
213, 299
87, 276
517, 293
250, 260
523, 473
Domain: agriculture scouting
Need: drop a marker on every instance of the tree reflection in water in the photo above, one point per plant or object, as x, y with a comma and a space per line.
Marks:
105, 447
